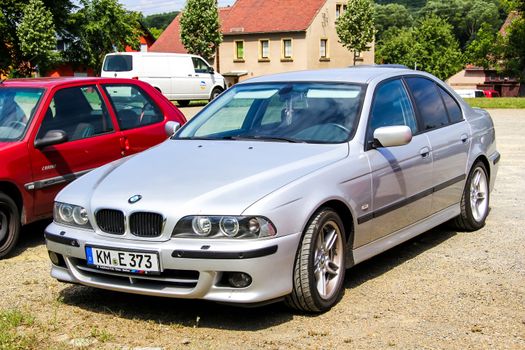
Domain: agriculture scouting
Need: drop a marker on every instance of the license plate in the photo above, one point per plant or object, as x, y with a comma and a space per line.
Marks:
124, 261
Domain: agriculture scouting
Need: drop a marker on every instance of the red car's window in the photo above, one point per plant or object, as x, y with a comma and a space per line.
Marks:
133, 106
79, 111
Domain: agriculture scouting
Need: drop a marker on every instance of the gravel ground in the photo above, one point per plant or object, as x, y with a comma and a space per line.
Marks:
441, 290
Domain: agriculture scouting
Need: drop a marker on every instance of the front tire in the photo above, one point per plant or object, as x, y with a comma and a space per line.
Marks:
215, 92
9, 225
319, 269
475, 200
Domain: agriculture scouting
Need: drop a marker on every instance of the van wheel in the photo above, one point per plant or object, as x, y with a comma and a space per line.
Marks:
9, 224
319, 269
183, 103
215, 92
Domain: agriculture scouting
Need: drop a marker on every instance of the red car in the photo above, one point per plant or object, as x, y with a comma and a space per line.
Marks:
53, 130
491, 93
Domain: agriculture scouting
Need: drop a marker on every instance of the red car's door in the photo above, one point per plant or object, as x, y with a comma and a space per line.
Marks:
140, 117
92, 141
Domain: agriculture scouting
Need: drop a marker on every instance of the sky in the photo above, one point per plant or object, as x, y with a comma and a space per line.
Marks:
149, 7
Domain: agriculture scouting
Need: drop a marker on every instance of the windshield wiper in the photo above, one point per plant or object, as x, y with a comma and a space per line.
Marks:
263, 138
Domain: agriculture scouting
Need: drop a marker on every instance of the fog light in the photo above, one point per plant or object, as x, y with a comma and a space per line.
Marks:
54, 258
239, 279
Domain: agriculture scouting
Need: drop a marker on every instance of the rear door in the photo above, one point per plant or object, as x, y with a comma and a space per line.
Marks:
140, 118
119, 66
449, 137
92, 142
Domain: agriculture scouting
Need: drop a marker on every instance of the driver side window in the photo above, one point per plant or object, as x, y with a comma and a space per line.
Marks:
391, 106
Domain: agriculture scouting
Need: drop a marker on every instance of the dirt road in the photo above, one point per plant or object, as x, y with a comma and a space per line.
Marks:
442, 290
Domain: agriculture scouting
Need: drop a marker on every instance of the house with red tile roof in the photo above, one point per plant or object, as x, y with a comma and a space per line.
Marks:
272, 36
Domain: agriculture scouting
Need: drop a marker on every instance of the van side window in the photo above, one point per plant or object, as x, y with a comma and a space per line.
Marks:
79, 111
200, 66
134, 109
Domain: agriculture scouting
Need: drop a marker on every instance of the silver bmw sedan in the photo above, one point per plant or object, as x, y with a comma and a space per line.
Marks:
277, 187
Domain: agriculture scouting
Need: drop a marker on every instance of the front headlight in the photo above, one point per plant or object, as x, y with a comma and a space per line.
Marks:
71, 215
224, 227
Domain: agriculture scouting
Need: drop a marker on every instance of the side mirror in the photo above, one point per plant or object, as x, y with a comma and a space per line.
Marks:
171, 128
391, 136
52, 137
211, 70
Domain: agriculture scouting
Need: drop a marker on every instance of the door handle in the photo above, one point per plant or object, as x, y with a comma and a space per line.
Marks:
424, 152
124, 145
464, 138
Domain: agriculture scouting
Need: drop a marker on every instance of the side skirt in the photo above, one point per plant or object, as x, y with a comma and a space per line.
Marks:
380, 245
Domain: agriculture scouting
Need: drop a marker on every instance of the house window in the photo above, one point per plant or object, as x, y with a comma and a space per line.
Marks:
339, 10
264, 51
239, 50
323, 48
287, 48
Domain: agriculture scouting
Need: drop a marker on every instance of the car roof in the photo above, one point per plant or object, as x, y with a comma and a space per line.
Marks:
49, 82
360, 75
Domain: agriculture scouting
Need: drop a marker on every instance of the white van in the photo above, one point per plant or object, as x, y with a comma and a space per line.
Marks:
180, 77
470, 93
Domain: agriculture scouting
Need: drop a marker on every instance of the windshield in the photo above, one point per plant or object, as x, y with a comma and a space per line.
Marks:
286, 112
17, 106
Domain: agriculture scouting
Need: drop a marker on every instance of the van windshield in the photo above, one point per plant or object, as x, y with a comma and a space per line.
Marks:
118, 63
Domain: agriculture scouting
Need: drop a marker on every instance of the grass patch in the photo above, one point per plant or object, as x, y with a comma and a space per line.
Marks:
10, 338
500, 102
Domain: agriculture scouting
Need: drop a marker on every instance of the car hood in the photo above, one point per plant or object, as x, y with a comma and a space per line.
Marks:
185, 177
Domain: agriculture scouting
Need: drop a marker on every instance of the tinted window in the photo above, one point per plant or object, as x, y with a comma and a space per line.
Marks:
78, 111
118, 63
391, 106
454, 111
133, 107
428, 102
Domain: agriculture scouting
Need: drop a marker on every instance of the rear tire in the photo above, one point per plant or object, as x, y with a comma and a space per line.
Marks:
215, 92
475, 200
9, 225
319, 269
183, 103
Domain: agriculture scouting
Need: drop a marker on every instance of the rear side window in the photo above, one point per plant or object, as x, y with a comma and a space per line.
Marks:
428, 102
391, 106
133, 107
454, 111
118, 63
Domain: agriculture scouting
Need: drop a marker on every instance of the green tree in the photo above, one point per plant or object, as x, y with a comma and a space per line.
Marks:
156, 32
36, 34
355, 27
513, 50
429, 46
98, 28
12, 60
397, 46
159, 20
391, 16
465, 16
200, 28
485, 49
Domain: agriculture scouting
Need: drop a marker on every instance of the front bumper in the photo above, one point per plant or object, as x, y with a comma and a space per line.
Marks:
190, 268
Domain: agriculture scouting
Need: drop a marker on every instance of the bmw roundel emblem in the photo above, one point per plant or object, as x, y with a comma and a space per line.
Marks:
134, 199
